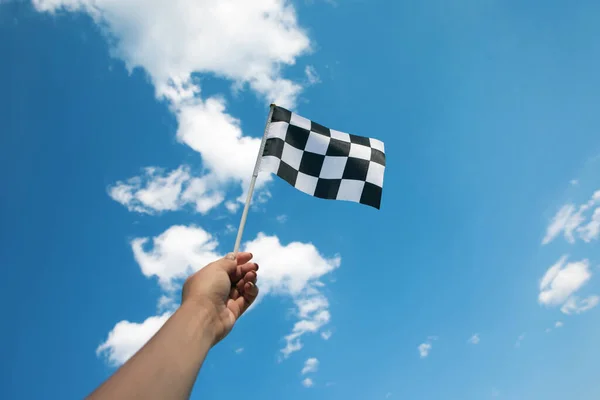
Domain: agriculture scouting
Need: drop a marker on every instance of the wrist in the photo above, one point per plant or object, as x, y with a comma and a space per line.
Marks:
202, 321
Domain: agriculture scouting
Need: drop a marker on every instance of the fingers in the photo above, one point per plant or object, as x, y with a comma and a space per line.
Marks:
250, 294
250, 276
231, 261
243, 294
238, 288
246, 268
241, 271
244, 301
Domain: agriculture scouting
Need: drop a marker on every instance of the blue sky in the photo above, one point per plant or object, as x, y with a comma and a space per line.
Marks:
489, 114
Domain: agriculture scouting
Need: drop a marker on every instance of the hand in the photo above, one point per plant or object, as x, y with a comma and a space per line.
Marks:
224, 289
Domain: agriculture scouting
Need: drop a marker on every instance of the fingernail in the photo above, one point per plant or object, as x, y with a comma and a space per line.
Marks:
257, 266
230, 256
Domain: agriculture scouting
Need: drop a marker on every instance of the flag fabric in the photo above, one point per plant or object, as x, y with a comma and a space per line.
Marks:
323, 162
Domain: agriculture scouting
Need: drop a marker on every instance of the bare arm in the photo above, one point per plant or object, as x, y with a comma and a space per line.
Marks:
167, 366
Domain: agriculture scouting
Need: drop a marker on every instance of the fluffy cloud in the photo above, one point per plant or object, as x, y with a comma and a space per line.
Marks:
307, 382
227, 157
562, 280
226, 152
175, 254
247, 43
576, 306
157, 191
127, 338
424, 349
294, 270
474, 339
569, 219
310, 365
291, 270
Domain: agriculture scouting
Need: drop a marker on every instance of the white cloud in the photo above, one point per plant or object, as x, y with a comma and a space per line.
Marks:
204, 193
232, 207
239, 350
157, 191
576, 306
474, 339
307, 382
424, 349
229, 229
566, 220
311, 324
174, 254
310, 305
294, 270
166, 303
569, 219
310, 365
557, 324
161, 193
311, 75
326, 335
281, 218
247, 43
208, 129
591, 230
126, 338
560, 281
290, 270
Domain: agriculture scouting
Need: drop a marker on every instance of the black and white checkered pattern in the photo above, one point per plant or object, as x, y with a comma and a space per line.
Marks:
323, 162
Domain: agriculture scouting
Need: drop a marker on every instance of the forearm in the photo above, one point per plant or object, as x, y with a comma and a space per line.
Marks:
167, 366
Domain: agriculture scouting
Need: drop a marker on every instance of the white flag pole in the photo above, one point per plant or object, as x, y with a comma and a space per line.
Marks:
238, 240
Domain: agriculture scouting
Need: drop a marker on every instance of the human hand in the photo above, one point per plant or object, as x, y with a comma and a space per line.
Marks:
224, 289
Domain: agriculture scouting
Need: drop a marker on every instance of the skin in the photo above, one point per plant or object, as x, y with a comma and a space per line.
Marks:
167, 366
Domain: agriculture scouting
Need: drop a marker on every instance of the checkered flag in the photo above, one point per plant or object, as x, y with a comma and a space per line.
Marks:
323, 162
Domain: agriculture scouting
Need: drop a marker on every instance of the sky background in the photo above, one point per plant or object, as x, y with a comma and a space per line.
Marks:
477, 279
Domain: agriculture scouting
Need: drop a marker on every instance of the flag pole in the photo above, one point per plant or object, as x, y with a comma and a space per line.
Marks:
238, 240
